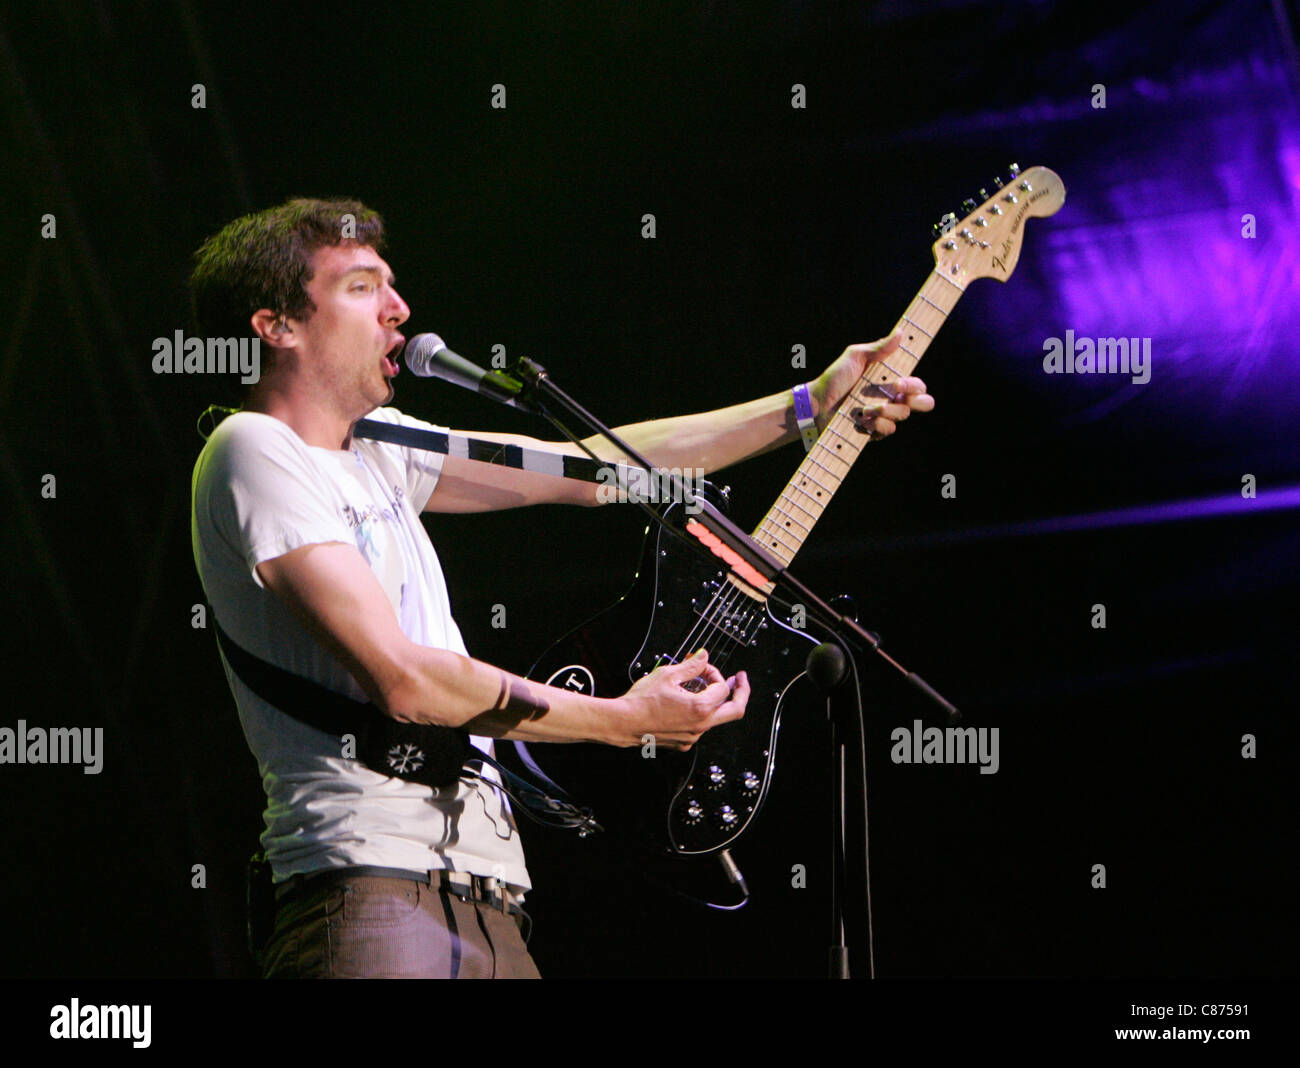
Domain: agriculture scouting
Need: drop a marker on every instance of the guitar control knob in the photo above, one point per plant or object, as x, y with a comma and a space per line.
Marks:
717, 777
750, 782
693, 813
727, 816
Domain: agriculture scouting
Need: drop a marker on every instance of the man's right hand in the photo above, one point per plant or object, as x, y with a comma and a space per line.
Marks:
340, 601
662, 705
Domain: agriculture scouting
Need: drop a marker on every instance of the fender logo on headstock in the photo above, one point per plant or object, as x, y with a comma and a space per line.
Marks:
999, 261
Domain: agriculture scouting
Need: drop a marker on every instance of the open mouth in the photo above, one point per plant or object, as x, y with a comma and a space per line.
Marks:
391, 357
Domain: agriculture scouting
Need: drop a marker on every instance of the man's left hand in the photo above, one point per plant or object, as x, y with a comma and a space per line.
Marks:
882, 414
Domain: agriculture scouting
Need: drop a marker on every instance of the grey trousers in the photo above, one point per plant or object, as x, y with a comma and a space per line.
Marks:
372, 927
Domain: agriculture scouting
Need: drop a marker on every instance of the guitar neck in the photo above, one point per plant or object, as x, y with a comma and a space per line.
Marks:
796, 511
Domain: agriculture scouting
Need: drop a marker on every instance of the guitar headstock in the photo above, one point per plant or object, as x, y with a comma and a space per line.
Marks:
986, 243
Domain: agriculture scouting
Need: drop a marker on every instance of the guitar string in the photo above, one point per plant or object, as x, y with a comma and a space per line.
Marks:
712, 622
707, 621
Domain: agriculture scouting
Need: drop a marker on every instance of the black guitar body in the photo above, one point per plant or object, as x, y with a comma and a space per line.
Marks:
698, 802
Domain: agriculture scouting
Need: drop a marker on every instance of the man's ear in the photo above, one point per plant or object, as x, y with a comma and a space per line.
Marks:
273, 329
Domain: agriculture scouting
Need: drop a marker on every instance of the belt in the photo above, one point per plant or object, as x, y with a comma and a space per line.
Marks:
484, 889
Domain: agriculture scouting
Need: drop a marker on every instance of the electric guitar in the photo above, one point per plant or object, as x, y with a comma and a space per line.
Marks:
701, 801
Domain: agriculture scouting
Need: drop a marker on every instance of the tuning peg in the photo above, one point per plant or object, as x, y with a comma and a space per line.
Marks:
968, 205
1015, 171
983, 196
998, 183
945, 224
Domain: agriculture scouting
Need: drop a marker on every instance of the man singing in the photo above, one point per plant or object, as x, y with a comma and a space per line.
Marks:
312, 555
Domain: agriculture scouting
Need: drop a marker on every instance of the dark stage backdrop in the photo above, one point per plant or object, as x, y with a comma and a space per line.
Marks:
1101, 567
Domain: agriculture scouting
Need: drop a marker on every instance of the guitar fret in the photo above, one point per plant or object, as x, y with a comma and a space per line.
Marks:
815, 516
788, 518
812, 459
943, 299
807, 477
939, 274
929, 285
832, 454
918, 326
857, 443
918, 310
781, 534
855, 446
830, 428
811, 500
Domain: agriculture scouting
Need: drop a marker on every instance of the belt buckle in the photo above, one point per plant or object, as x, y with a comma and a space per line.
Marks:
493, 893
481, 889
490, 890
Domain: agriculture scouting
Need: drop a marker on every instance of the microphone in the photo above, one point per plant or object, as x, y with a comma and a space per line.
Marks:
427, 355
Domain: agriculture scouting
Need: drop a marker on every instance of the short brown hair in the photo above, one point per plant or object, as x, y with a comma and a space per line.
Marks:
264, 261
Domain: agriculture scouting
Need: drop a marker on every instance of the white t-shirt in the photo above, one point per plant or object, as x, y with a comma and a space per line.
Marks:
260, 491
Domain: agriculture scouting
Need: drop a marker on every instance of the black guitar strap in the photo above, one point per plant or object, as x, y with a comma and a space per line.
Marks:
414, 752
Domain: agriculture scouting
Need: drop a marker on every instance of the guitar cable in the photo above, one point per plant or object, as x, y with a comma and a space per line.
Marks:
866, 825
563, 814
533, 801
